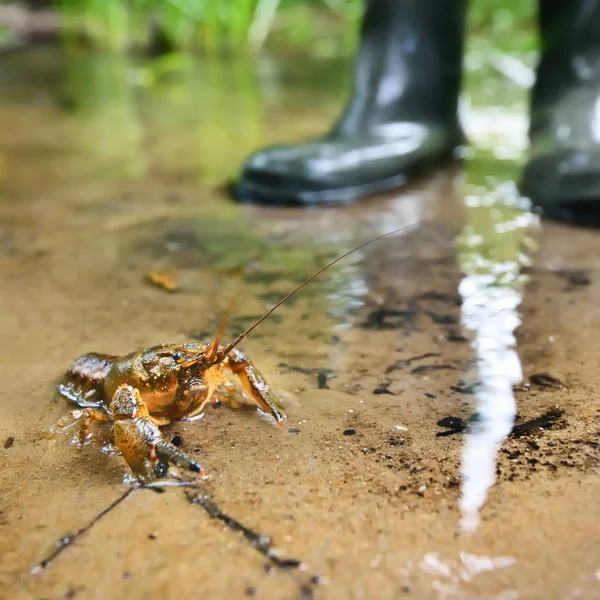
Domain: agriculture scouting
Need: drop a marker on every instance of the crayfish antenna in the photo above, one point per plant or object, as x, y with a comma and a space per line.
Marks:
218, 356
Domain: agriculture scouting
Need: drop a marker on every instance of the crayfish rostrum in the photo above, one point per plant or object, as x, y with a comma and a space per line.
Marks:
139, 392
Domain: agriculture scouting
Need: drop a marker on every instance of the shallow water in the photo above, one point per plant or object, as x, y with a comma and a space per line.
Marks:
110, 170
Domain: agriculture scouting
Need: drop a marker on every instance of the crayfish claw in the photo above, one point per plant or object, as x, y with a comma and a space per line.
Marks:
167, 452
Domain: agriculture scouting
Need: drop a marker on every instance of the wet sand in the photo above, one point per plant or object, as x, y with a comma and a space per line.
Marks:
360, 489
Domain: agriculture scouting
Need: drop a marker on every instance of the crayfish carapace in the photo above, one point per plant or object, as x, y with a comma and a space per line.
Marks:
139, 392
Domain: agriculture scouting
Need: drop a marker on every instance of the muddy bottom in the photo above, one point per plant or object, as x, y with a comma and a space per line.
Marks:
408, 414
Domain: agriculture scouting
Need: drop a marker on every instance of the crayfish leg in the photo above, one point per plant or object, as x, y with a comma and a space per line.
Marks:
139, 439
82, 418
255, 384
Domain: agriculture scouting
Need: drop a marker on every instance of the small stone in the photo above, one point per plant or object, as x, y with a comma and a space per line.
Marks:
349, 431
177, 440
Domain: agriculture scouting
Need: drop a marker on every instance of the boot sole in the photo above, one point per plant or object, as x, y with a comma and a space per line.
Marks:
575, 202
249, 193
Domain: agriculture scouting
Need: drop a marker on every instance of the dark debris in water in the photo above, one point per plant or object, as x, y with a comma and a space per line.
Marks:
395, 441
322, 380
574, 278
383, 388
463, 388
405, 317
389, 318
428, 368
418, 357
306, 370
442, 319
406, 362
545, 380
455, 336
547, 420
454, 425
541, 380
9, 441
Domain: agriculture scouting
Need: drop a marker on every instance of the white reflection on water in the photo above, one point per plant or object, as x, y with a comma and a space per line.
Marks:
450, 575
491, 257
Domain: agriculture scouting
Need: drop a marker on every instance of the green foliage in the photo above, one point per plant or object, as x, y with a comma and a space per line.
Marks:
322, 27
507, 24
239, 25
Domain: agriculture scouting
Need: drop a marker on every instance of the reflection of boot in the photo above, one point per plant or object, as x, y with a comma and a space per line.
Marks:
563, 172
402, 116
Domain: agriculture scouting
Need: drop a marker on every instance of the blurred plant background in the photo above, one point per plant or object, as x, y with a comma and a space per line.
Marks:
317, 27
192, 86
163, 93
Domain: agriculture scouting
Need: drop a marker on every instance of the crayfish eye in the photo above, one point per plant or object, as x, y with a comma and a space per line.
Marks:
177, 356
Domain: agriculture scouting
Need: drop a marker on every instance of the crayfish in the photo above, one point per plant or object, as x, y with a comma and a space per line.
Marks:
140, 392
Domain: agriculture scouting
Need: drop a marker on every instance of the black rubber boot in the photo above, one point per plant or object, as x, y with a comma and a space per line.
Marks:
562, 175
401, 119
